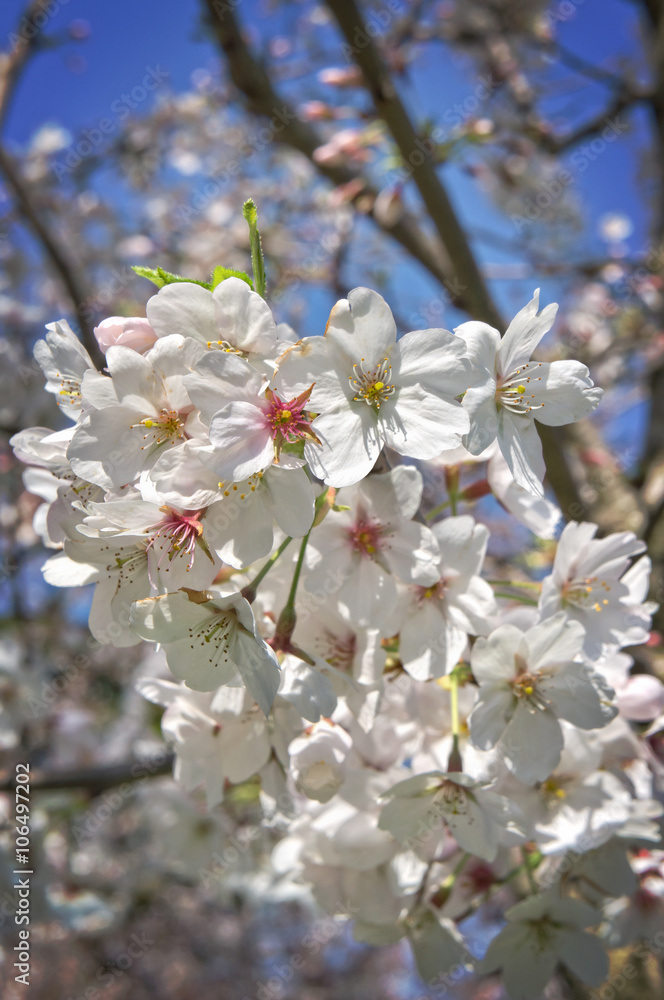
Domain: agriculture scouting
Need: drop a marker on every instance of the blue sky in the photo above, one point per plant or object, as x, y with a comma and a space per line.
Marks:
81, 82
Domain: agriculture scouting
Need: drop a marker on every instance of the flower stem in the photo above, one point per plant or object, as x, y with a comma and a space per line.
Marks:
458, 868
437, 510
249, 592
442, 894
454, 706
516, 597
527, 864
257, 263
286, 621
452, 483
454, 763
298, 570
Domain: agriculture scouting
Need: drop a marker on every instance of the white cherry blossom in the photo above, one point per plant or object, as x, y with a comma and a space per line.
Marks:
232, 318
318, 760
516, 390
593, 582
399, 791
371, 390
478, 818
51, 477
180, 543
528, 681
580, 806
365, 547
250, 424
244, 515
437, 619
541, 932
210, 641
218, 736
140, 410
64, 361
119, 567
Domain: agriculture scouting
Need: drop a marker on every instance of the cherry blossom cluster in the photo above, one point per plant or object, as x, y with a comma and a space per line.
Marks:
253, 503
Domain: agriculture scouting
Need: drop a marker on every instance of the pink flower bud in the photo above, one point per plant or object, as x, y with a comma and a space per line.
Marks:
316, 111
341, 76
125, 331
642, 698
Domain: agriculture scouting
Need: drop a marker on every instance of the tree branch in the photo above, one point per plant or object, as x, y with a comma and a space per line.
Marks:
588, 69
433, 193
624, 99
251, 79
91, 779
68, 271
13, 62
460, 273
413, 151
11, 67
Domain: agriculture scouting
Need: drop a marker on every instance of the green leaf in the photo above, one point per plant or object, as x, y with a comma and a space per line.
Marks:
221, 273
159, 277
251, 215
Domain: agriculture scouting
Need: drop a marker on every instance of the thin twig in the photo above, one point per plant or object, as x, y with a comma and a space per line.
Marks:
623, 99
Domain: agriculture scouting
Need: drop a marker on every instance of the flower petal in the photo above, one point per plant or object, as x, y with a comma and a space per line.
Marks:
362, 326
243, 318
419, 424
183, 308
242, 441
524, 334
565, 392
492, 712
579, 695
293, 498
522, 450
480, 404
493, 658
433, 359
350, 444
584, 954
555, 640
532, 743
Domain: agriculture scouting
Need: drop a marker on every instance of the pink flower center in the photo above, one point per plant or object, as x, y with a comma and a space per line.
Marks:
525, 683
366, 537
338, 649
288, 420
177, 534
435, 592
